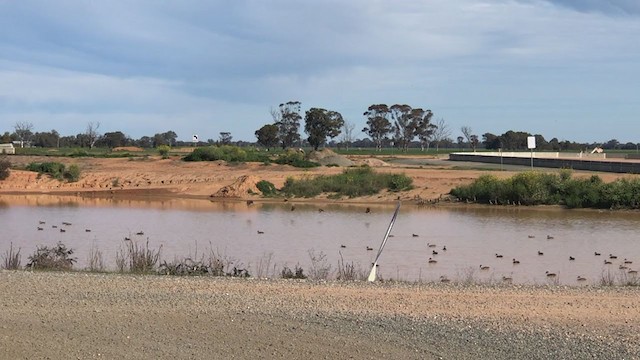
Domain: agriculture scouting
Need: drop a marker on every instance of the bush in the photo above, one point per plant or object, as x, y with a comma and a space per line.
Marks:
295, 159
227, 153
54, 258
266, 188
535, 188
297, 273
351, 182
5, 166
72, 174
56, 170
163, 150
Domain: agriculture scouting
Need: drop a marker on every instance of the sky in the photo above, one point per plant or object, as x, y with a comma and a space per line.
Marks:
568, 69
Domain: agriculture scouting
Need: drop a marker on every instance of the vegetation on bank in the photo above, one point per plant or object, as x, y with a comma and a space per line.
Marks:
352, 183
537, 188
56, 170
5, 168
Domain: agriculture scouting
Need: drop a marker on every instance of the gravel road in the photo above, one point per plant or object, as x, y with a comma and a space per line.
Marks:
76, 315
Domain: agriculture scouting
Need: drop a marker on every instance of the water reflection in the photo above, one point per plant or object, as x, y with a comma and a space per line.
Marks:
251, 233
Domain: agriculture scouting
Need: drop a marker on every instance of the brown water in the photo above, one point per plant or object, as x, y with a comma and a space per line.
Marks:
472, 236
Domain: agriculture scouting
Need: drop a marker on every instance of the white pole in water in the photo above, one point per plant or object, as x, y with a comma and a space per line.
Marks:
372, 274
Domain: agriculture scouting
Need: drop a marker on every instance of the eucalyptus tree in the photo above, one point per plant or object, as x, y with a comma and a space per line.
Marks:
378, 124
404, 125
347, 133
268, 136
424, 128
288, 123
91, 133
320, 124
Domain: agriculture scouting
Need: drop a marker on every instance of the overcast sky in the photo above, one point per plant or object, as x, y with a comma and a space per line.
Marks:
566, 68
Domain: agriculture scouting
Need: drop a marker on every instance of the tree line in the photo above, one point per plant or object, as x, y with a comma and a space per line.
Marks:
400, 126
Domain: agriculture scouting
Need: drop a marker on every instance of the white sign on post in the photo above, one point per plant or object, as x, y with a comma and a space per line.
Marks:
531, 142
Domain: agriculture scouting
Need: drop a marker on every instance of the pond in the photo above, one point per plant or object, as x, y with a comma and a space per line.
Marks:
265, 237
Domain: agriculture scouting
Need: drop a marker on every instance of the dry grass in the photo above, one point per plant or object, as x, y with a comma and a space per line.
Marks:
12, 259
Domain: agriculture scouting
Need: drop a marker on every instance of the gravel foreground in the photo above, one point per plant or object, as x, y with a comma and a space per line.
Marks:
75, 315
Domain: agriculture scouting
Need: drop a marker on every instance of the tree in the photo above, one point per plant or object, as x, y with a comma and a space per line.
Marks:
166, 138
466, 132
320, 124
491, 141
440, 132
114, 139
424, 129
46, 139
268, 136
289, 123
92, 133
474, 142
378, 125
460, 141
404, 125
347, 133
23, 130
225, 138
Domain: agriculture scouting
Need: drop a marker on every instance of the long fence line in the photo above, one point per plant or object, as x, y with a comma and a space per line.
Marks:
610, 165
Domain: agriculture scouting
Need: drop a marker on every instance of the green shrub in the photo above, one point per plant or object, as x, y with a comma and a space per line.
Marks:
227, 153
56, 170
266, 188
53, 169
51, 258
163, 150
535, 188
353, 182
295, 159
5, 168
72, 174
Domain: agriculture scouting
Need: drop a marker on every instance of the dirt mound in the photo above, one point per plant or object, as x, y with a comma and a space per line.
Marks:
244, 185
127, 148
328, 157
373, 162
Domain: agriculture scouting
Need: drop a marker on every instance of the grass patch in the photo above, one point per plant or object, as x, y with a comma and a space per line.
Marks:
352, 183
296, 273
11, 260
227, 153
137, 258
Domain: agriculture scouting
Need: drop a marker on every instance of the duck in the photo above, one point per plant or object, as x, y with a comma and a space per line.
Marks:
571, 258
42, 222
431, 261
369, 248
320, 210
596, 253
343, 246
444, 279
431, 245
434, 252
484, 267
39, 228
367, 210
140, 233
127, 238
63, 230
415, 235
531, 236
612, 256
516, 261
260, 232
628, 261
549, 237
507, 278
444, 248
622, 267
632, 272
293, 207
550, 274
499, 256
607, 262
540, 253
249, 202
87, 230
581, 278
